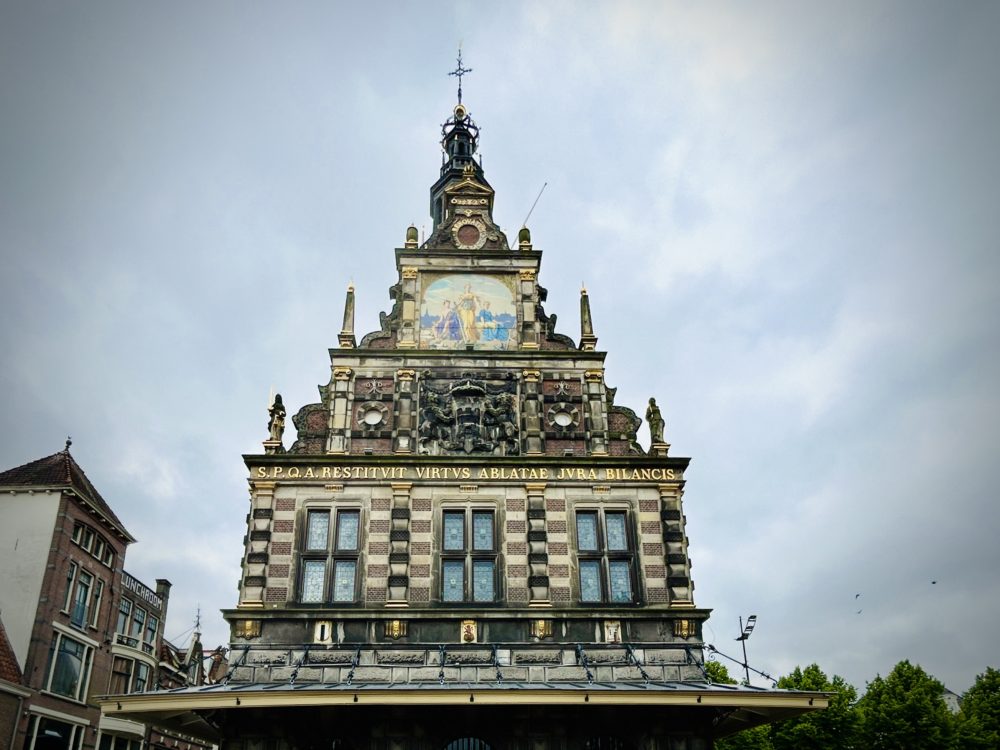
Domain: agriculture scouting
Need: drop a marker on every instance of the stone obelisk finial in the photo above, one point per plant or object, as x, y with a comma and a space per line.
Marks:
588, 341
346, 338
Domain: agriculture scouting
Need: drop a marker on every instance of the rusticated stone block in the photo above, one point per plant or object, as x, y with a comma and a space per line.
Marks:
469, 657
666, 656
400, 657
566, 673
260, 658
309, 674
509, 674
243, 674
611, 656
537, 657
627, 673
430, 674
331, 657
334, 674
371, 674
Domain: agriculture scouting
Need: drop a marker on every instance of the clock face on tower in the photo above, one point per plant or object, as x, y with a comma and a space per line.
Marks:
469, 233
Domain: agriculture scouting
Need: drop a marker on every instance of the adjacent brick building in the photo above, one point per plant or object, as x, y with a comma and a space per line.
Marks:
79, 626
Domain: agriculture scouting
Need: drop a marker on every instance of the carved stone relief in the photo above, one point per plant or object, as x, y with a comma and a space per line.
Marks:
468, 416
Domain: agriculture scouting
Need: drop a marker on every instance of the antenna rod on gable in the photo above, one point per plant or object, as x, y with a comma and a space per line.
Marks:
525, 222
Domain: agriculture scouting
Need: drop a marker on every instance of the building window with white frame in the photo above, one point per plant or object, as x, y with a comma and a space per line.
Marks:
468, 556
42, 729
69, 667
605, 557
82, 597
330, 561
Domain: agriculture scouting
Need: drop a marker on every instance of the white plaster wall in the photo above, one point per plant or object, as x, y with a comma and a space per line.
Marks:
26, 523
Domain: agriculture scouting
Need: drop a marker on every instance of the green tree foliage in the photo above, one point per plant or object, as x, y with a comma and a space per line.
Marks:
758, 738
905, 711
979, 722
718, 673
829, 729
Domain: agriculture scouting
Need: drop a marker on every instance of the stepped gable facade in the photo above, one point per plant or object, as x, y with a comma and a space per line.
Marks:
464, 545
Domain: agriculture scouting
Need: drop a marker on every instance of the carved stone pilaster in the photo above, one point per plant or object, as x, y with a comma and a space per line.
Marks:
399, 546
341, 399
597, 418
538, 557
407, 335
529, 303
403, 436
257, 547
532, 411
680, 588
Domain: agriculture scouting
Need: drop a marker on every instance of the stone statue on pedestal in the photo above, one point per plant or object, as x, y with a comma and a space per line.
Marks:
276, 424
655, 421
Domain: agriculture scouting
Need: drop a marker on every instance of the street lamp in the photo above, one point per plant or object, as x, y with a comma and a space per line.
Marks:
745, 632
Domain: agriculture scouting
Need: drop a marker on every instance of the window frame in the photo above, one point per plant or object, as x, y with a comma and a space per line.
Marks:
469, 556
83, 676
332, 557
38, 721
97, 597
604, 557
93, 543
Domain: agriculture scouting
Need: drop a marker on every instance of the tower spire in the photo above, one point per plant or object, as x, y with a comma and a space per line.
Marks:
588, 341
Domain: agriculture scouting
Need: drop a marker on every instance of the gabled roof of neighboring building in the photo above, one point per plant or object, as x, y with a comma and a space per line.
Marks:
61, 470
10, 670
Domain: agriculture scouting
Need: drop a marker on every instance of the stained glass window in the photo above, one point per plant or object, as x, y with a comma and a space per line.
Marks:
343, 580
482, 531
313, 573
621, 581
615, 523
318, 531
453, 579
347, 529
586, 531
483, 580
454, 532
590, 581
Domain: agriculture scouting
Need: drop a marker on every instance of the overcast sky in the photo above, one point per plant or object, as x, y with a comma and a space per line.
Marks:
787, 216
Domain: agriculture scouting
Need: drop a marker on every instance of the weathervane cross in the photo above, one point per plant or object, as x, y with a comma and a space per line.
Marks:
460, 71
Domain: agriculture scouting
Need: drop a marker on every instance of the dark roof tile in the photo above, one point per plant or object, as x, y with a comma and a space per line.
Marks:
61, 470
10, 670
